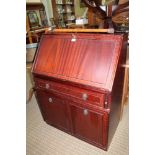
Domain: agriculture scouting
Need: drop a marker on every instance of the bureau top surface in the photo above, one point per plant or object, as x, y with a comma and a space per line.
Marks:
88, 59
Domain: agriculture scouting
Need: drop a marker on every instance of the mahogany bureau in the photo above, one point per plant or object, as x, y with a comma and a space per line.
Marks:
78, 82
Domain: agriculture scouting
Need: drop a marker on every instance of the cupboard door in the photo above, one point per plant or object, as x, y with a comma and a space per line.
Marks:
87, 124
54, 110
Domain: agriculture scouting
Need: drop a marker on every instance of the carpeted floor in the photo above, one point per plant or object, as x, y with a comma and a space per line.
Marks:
42, 139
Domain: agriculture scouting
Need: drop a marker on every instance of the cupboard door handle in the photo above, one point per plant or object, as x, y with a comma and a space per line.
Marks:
47, 85
84, 96
50, 100
85, 112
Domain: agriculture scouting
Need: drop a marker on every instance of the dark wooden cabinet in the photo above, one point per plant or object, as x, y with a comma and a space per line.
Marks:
87, 124
78, 81
53, 109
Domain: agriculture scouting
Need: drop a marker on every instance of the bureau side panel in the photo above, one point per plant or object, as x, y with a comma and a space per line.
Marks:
116, 94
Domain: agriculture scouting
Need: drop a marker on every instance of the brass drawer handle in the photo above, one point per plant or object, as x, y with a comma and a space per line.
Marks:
50, 100
47, 85
85, 112
84, 96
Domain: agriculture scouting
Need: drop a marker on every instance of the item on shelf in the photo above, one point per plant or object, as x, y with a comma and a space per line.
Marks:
61, 23
59, 2
52, 22
68, 8
43, 18
33, 19
59, 9
81, 21
68, 2
73, 17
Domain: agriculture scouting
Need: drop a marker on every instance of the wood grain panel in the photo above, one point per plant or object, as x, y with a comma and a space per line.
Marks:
89, 60
54, 112
92, 97
87, 126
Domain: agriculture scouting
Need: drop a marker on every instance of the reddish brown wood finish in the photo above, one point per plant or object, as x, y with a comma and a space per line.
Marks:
64, 71
54, 110
84, 119
92, 98
64, 59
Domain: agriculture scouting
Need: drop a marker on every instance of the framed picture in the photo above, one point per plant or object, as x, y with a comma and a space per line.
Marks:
33, 18
43, 17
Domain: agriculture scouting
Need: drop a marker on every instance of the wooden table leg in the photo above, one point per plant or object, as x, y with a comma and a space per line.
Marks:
125, 85
125, 90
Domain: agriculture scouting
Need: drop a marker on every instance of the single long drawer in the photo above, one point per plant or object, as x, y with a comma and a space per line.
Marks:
82, 94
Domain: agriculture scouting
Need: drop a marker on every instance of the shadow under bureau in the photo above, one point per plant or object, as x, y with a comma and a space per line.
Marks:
78, 82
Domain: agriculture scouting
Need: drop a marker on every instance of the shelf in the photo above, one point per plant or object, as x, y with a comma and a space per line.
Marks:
63, 9
64, 4
70, 19
65, 12
67, 22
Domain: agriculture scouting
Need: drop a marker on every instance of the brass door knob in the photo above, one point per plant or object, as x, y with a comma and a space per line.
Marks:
84, 96
47, 85
85, 112
50, 100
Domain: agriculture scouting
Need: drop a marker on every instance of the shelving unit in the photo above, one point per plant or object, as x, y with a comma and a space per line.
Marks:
64, 13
